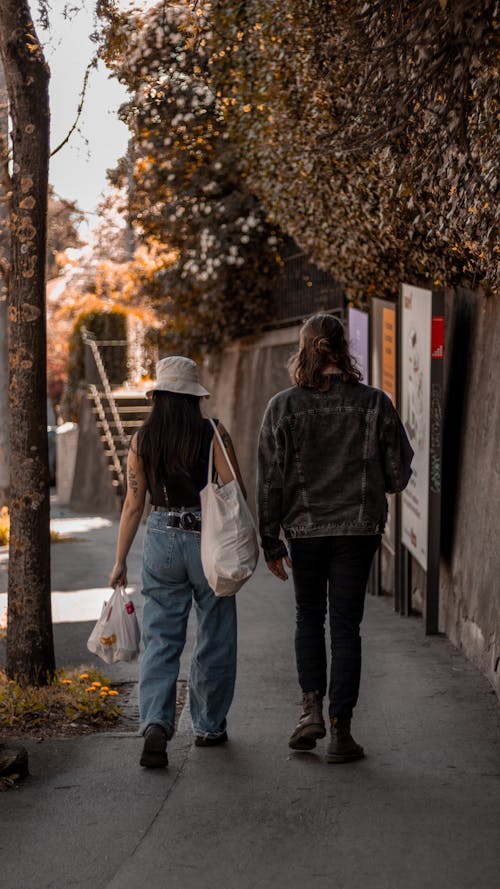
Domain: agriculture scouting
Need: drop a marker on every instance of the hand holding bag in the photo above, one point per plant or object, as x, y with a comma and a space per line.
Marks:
229, 545
116, 634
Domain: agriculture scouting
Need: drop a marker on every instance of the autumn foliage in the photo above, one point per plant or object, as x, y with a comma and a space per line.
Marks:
369, 131
184, 181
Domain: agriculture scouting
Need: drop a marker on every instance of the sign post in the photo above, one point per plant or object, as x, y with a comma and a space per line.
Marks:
422, 353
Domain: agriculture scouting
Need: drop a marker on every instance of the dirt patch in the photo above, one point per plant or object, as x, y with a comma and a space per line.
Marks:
54, 723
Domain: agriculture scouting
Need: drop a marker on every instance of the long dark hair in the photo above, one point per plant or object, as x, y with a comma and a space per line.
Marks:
169, 441
322, 343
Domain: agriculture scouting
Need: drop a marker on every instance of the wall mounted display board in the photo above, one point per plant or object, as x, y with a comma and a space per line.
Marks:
384, 346
384, 376
416, 315
421, 373
358, 324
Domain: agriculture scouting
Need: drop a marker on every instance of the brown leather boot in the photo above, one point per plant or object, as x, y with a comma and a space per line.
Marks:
311, 725
342, 746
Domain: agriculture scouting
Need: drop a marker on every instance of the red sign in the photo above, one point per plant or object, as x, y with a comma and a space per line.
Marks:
437, 339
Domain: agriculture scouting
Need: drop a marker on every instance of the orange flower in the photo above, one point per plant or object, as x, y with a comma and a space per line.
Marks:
96, 684
66, 682
83, 676
90, 688
114, 693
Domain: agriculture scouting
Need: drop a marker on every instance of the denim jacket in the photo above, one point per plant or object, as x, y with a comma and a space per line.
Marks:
326, 461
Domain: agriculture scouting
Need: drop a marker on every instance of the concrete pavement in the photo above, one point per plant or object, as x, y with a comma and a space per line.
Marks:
421, 811
81, 563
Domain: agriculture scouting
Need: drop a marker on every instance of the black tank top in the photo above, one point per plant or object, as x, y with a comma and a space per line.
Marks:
184, 490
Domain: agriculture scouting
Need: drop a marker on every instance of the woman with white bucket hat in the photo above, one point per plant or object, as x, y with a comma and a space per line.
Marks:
168, 458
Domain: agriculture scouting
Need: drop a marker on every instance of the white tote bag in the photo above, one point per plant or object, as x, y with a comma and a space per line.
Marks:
229, 546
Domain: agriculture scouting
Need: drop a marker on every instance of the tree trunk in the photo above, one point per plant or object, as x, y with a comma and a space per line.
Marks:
4, 357
30, 647
4, 398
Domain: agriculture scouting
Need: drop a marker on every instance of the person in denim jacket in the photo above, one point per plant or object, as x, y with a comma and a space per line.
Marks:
330, 449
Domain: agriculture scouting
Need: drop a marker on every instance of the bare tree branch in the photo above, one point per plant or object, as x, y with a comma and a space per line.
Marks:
92, 64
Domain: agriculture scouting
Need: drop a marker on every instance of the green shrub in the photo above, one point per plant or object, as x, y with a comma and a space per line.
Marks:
110, 325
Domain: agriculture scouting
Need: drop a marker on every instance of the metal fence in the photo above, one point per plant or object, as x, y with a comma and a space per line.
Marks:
303, 289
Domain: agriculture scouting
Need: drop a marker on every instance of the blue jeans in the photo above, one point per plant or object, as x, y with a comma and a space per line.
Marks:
172, 576
333, 571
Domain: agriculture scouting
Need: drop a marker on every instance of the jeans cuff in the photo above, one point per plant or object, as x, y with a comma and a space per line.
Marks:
215, 734
344, 714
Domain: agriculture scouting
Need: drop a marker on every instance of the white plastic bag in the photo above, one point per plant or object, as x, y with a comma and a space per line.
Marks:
229, 546
116, 634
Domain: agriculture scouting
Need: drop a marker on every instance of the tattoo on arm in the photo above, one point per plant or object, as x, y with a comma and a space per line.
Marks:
132, 482
226, 439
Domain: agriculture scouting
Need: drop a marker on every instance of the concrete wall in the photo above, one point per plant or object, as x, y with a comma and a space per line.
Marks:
92, 490
242, 381
252, 370
66, 448
470, 533
470, 570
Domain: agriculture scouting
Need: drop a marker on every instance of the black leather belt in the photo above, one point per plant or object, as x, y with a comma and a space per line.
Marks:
187, 521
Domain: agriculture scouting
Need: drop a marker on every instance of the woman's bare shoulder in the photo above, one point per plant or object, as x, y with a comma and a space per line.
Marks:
224, 434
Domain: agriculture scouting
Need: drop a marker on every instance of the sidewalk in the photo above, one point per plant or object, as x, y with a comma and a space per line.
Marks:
81, 563
421, 811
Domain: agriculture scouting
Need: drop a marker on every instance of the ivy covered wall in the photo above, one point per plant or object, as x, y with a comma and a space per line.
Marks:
369, 131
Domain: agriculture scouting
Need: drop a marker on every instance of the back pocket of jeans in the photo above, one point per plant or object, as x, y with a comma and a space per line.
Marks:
158, 549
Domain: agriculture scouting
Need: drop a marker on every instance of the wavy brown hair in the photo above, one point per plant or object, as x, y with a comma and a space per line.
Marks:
322, 344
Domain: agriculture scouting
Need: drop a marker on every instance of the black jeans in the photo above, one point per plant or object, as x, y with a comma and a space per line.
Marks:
334, 569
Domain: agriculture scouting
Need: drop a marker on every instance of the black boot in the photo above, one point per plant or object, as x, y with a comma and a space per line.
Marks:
311, 724
154, 752
342, 746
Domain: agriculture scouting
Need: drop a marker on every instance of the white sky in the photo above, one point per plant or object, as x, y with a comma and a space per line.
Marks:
78, 171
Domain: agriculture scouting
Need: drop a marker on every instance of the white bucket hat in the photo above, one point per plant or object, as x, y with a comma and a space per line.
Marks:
177, 374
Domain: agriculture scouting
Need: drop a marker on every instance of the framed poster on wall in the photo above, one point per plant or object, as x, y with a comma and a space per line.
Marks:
384, 343
421, 374
384, 376
358, 324
416, 322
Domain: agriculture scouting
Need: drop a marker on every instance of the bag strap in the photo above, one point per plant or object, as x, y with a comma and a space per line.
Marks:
224, 451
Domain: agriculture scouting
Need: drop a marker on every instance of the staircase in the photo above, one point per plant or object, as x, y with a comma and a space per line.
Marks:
117, 415
132, 409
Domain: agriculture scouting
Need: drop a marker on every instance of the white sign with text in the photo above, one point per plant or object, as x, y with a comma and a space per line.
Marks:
416, 327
